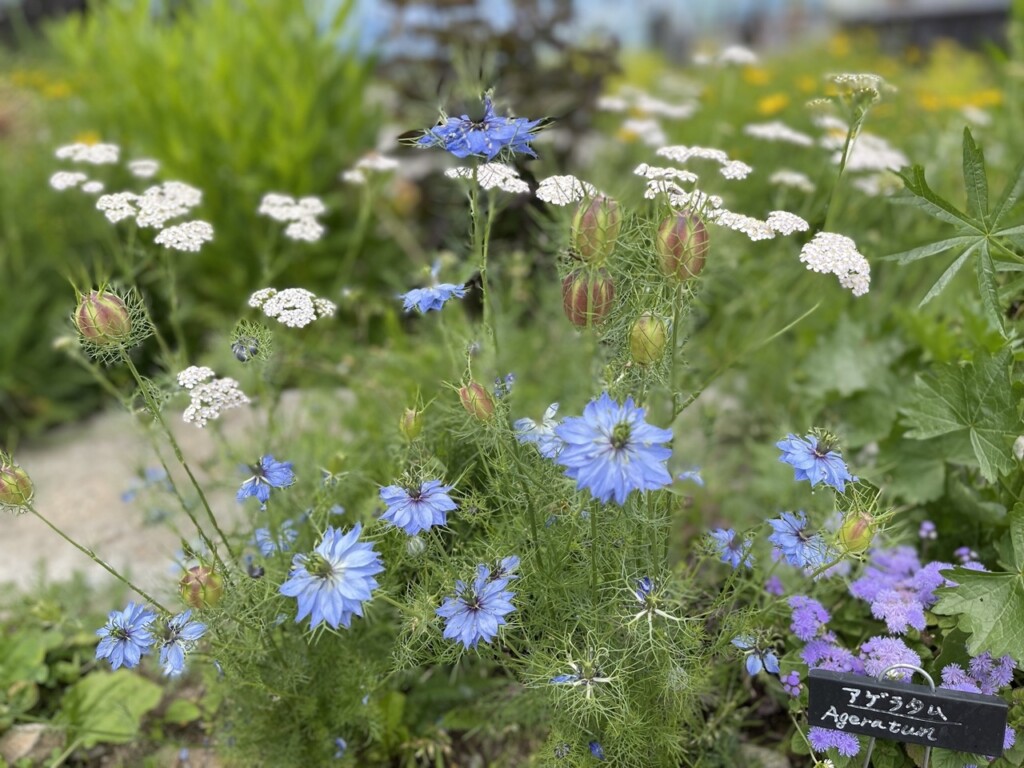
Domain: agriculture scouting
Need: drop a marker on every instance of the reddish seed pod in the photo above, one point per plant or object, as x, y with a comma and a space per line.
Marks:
477, 400
595, 228
103, 318
587, 297
682, 245
200, 587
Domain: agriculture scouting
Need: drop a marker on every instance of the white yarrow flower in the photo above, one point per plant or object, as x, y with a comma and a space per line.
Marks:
63, 180
492, 176
189, 236
159, 204
118, 206
655, 172
143, 168
737, 55
753, 228
564, 190
734, 169
210, 395
647, 129
872, 153
353, 176
787, 178
92, 187
786, 223
778, 131
95, 154
374, 161
295, 307
837, 254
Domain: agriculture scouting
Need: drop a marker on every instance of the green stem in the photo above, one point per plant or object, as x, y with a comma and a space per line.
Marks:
180, 456
359, 234
593, 551
481, 240
98, 560
175, 304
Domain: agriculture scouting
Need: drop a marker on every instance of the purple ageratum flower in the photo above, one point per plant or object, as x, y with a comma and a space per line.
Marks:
733, 549
332, 583
990, 674
814, 461
267, 473
773, 586
791, 683
1009, 738
486, 137
268, 544
757, 659
955, 678
179, 638
125, 636
542, 435
798, 547
417, 510
824, 653
899, 609
927, 530
477, 610
612, 451
898, 588
879, 653
824, 739
965, 555
809, 617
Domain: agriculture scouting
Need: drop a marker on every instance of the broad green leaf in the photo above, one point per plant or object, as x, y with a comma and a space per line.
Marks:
972, 401
985, 269
975, 179
948, 275
108, 707
1010, 195
922, 196
924, 251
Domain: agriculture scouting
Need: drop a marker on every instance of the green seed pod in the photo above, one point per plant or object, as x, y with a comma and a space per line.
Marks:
411, 424
857, 532
16, 489
682, 245
595, 228
200, 587
587, 297
477, 401
647, 338
103, 319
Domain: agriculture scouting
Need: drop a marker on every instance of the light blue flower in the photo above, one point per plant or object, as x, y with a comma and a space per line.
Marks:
734, 549
269, 544
757, 659
417, 510
340, 747
693, 475
477, 610
180, 637
125, 636
814, 460
332, 583
485, 137
542, 435
267, 473
794, 544
611, 451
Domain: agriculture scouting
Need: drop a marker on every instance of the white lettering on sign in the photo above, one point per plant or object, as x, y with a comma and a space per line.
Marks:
883, 703
842, 719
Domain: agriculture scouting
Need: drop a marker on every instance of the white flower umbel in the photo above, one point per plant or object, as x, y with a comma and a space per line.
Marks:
189, 236
832, 253
210, 395
63, 180
787, 178
878, 184
307, 229
737, 55
655, 172
872, 153
647, 129
786, 223
95, 154
492, 176
295, 307
159, 204
286, 208
143, 168
753, 228
612, 104
118, 206
368, 165
778, 131
564, 190
92, 187
730, 169
735, 169
353, 176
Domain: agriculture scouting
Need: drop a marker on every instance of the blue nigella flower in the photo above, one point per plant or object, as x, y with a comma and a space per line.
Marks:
267, 474
815, 461
542, 435
417, 510
734, 549
485, 137
477, 610
340, 747
434, 296
596, 751
269, 544
179, 639
125, 636
794, 544
757, 659
503, 386
332, 583
506, 568
612, 451
693, 475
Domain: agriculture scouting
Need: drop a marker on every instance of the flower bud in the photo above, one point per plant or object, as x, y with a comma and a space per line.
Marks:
647, 339
415, 546
682, 244
587, 297
477, 401
1018, 448
595, 228
411, 424
16, 488
856, 532
201, 587
103, 319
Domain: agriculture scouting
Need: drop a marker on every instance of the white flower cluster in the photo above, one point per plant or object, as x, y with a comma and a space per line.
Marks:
861, 81
154, 207
837, 254
95, 154
778, 131
730, 169
143, 168
564, 190
63, 180
647, 129
662, 173
209, 394
189, 236
295, 307
872, 153
787, 178
92, 187
636, 101
492, 176
374, 162
736, 55
879, 184
301, 215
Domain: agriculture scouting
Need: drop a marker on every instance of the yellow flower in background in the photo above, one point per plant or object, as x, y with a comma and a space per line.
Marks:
756, 76
58, 89
87, 137
626, 135
772, 104
839, 45
987, 97
929, 101
807, 84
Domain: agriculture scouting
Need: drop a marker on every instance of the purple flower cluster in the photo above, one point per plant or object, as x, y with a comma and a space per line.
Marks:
822, 739
809, 617
983, 675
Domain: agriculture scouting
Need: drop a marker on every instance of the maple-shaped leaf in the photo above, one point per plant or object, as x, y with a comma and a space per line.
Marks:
974, 403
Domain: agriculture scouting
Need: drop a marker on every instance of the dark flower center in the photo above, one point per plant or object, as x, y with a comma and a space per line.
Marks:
319, 566
621, 435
